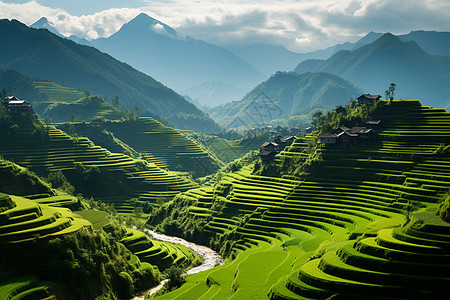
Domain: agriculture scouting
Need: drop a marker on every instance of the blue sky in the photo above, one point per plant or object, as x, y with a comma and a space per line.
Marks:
299, 25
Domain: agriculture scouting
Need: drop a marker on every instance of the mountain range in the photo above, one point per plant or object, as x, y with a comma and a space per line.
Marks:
39, 53
417, 74
285, 94
177, 60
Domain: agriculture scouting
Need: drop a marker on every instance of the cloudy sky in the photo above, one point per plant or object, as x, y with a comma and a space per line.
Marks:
299, 25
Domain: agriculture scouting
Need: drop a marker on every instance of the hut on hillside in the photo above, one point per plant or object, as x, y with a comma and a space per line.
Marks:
368, 99
15, 105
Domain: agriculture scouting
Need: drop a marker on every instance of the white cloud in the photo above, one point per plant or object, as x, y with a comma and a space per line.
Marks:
301, 25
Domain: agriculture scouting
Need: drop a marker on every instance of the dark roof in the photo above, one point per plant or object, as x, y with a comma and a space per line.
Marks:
357, 129
365, 131
327, 135
269, 144
373, 122
288, 138
369, 96
348, 133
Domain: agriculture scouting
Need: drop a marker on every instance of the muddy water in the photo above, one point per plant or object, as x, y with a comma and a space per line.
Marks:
210, 258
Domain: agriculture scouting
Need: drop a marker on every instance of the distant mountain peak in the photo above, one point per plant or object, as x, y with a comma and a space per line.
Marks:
43, 23
144, 22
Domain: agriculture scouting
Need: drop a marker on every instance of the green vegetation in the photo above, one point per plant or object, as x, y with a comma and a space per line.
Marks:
91, 170
58, 93
84, 109
164, 146
303, 223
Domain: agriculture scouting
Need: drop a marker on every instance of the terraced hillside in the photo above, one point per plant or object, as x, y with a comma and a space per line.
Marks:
341, 231
94, 171
164, 146
58, 93
23, 220
160, 254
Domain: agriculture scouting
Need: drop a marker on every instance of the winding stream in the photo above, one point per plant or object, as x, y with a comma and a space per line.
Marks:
210, 258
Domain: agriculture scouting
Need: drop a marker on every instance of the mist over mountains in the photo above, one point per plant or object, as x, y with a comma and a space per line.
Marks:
286, 94
178, 61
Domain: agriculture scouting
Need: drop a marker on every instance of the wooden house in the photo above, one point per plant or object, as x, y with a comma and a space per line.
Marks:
15, 105
328, 138
368, 99
269, 146
267, 155
347, 137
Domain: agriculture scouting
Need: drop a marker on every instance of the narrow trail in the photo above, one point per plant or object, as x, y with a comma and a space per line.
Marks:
210, 258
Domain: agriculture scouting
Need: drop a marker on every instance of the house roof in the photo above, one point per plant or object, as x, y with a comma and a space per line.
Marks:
357, 129
289, 138
351, 134
373, 122
269, 144
369, 96
365, 131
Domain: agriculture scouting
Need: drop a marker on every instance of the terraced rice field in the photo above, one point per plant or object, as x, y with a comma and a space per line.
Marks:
342, 233
23, 220
57, 93
62, 152
160, 254
164, 146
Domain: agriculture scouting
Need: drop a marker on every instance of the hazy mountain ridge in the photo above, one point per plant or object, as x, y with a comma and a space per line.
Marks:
286, 94
176, 60
39, 53
374, 66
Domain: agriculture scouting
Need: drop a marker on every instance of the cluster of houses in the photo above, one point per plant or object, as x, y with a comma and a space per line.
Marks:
347, 135
268, 150
13, 104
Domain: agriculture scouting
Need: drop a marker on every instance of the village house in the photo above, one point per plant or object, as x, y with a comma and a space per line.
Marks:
347, 137
267, 155
328, 138
14, 105
269, 146
368, 99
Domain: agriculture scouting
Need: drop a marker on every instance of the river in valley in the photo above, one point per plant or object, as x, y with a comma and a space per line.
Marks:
210, 258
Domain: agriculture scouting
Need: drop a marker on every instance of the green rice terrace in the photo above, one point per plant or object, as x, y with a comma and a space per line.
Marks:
164, 146
362, 220
42, 222
114, 178
343, 227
